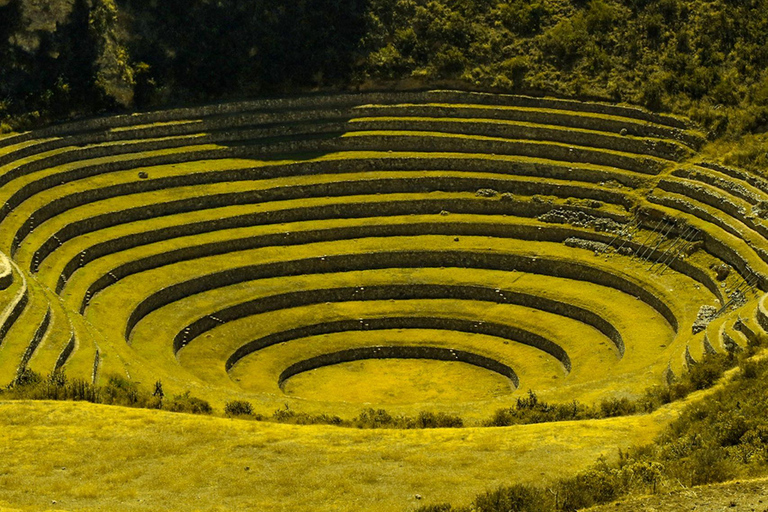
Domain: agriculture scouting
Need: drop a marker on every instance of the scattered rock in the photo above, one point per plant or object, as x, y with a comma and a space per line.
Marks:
590, 245
418, 496
721, 271
487, 192
623, 131
444, 212
738, 298
507, 196
580, 219
760, 209
143, 175
705, 315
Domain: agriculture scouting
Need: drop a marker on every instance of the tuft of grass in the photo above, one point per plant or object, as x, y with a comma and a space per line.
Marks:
238, 408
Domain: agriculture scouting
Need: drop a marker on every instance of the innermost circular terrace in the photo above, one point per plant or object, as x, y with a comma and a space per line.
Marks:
398, 381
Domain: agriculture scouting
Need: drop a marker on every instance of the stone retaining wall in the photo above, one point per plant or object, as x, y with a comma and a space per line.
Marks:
396, 292
523, 232
507, 332
394, 352
712, 244
367, 143
13, 311
575, 120
67, 352
6, 272
352, 99
730, 186
398, 259
41, 331
657, 148
321, 190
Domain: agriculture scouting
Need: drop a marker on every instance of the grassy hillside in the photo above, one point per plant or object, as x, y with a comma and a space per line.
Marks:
93, 457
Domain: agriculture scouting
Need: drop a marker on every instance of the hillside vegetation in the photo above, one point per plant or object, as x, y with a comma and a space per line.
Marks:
705, 59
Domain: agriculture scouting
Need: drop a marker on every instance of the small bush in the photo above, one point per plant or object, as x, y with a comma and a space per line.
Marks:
301, 418
29, 385
374, 418
617, 407
520, 498
439, 420
238, 408
440, 507
592, 487
187, 403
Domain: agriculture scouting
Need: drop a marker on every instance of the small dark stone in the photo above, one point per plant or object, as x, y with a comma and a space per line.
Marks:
722, 271
487, 192
143, 175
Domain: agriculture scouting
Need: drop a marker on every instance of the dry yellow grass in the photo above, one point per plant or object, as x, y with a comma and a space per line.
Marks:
92, 457
398, 381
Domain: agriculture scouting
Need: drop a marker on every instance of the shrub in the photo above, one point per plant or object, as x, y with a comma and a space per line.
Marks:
519, 498
617, 407
301, 418
158, 392
238, 408
31, 386
374, 418
120, 391
440, 507
26, 377
187, 403
704, 374
439, 420
592, 487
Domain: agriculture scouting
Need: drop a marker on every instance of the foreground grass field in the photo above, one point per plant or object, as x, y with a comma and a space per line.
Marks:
92, 457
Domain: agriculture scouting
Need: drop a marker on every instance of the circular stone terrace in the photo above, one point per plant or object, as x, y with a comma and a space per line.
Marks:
413, 249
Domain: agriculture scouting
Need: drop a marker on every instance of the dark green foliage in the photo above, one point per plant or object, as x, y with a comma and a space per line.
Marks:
520, 498
117, 391
617, 407
301, 418
592, 487
158, 392
438, 420
56, 386
187, 403
530, 409
374, 418
238, 408
701, 375
441, 507
200, 49
706, 59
